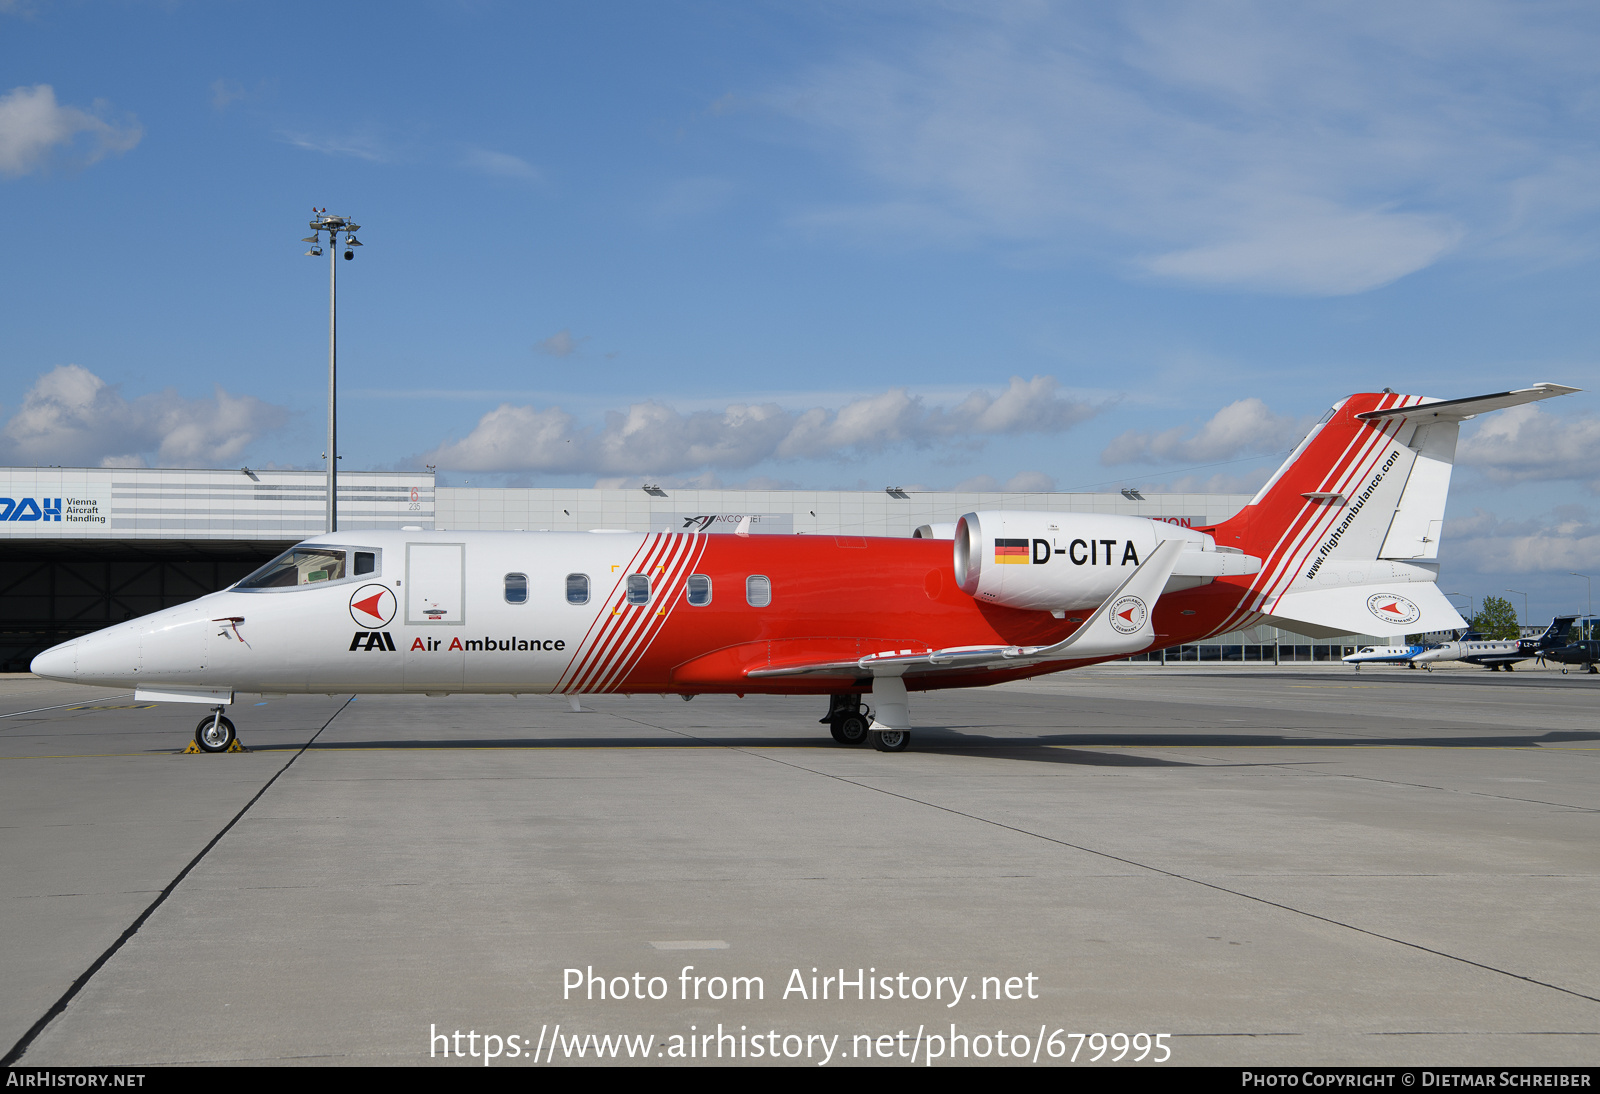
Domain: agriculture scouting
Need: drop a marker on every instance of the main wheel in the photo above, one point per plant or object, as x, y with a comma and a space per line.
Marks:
851, 729
214, 734
890, 740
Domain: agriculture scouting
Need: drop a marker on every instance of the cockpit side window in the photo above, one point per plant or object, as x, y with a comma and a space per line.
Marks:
299, 566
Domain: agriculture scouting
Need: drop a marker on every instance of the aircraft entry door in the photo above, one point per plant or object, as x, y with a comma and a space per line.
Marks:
435, 619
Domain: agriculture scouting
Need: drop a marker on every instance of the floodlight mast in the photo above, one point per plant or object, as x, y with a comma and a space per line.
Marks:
333, 225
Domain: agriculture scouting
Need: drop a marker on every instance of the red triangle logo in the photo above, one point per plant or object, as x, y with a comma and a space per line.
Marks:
1128, 615
369, 606
1395, 608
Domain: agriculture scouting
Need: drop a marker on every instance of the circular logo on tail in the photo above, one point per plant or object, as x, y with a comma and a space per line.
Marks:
1128, 614
1393, 609
372, 606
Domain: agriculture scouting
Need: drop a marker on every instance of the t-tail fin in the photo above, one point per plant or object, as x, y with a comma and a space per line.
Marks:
1556, 633
1349, 526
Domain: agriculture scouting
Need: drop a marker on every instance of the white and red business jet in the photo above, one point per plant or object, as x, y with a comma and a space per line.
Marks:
1343, 539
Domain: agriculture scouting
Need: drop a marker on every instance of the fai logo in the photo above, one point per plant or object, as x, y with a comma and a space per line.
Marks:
1128, 615
372, 606
1393, 609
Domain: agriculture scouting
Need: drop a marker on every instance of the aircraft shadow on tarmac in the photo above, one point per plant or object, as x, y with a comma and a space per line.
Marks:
1080, 749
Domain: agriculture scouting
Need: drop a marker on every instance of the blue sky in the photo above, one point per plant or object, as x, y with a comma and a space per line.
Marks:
1043, 245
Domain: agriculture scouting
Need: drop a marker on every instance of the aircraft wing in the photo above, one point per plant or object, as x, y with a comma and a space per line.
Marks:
1119, 626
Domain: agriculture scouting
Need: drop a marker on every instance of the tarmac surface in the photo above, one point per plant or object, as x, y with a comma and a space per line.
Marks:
1270, 866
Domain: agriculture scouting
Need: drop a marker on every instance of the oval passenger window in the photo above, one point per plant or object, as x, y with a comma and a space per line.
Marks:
577, 588
699, 590
516, 588
638, 589
757, 591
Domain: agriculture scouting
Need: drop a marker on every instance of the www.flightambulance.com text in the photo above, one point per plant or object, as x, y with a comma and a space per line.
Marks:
925, 1045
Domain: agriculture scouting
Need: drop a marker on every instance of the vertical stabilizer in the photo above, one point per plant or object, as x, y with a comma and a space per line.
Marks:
1349, 526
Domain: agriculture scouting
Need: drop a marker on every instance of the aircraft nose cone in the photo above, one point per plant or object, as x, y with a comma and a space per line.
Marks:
58, 662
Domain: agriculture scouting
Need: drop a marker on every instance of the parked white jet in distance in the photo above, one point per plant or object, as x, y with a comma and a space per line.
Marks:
1383, 655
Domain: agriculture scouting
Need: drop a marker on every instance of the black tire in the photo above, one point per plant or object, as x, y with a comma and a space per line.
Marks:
850, 730
890, 740
214, 734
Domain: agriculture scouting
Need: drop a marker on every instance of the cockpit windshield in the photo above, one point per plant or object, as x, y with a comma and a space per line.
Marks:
298, 566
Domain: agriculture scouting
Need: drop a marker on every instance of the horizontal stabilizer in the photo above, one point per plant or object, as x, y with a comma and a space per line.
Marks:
1459, 410
1412, 608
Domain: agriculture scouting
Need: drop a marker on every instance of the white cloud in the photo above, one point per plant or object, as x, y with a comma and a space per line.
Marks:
559, 344
1240, 428
362, 146
502, 165
1024, 482
1311, 149
37, 132
72, 417
1564, 540
693, 197
1528, 442
1222, 482
226, 92
651, 438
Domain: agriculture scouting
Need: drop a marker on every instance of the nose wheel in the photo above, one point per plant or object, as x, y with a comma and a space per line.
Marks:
215, 733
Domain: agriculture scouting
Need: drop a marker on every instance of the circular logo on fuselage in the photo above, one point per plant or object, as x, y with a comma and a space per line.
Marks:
1128, 614
372, 606
1393, 609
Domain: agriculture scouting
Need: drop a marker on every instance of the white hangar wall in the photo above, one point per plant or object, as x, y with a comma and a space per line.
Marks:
811, 512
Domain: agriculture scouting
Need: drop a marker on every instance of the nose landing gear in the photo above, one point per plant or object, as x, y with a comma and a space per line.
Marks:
215, 734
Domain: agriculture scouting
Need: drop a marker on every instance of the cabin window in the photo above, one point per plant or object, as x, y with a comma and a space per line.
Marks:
577, 588
638, 589
366, 562
699, 590
516, 588
757, 591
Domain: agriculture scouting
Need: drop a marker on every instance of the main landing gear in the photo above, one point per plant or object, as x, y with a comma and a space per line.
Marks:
847, 719
885, 727
215, 733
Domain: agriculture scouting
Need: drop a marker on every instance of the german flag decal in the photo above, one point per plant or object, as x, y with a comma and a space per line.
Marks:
1011, 551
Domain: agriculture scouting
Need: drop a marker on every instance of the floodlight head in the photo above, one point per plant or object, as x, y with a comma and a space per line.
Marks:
352, 241
311, 239
314, 252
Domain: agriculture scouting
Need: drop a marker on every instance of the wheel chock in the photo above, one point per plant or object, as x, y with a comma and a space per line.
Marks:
195, 750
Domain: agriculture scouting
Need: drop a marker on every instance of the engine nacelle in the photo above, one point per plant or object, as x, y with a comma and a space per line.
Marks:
1066, 561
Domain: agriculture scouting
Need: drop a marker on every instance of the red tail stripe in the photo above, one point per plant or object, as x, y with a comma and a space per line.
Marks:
599, 620
615, 621
634, 622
